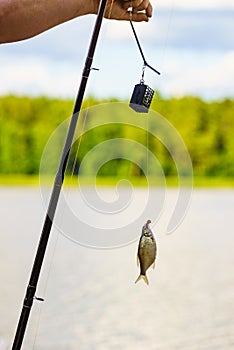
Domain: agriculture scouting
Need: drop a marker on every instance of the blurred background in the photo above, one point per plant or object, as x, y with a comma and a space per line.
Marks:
91, 300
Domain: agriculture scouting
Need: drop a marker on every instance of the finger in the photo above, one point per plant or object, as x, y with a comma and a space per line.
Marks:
143, 6
137, 3
139, 17
133, 3
135, 17
149, 10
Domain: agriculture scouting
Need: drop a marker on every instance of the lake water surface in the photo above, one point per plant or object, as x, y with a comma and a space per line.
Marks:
91, 301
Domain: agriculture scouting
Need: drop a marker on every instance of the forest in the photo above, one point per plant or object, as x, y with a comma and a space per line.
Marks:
26, 124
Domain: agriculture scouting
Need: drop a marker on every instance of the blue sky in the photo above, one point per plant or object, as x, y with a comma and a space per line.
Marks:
190, 43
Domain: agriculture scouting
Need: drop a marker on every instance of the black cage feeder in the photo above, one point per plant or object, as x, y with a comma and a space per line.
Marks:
141, 98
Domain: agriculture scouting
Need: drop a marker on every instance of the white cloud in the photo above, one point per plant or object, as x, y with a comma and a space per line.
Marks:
34, 76
206, 76
209, 75
195, 29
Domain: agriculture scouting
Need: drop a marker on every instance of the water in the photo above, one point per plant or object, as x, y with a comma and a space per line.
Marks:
92, 302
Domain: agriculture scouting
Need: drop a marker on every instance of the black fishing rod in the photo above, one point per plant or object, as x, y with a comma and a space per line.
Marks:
58, 182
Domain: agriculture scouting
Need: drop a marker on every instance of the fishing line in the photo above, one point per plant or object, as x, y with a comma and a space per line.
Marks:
168, 28
59, 220
145, 63
61, 217
166, 37
136, 102
79, 142
147, 148
142, 95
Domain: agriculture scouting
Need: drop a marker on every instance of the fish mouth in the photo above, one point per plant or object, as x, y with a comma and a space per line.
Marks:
147, 223
147, 234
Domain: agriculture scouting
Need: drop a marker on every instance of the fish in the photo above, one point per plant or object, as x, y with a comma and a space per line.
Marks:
147, 251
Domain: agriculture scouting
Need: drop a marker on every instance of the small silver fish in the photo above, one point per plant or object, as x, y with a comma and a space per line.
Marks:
147, 251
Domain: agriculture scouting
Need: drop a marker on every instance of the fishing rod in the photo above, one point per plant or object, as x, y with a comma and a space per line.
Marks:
58, 182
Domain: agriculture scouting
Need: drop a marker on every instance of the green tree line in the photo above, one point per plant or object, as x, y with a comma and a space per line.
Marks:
27, 123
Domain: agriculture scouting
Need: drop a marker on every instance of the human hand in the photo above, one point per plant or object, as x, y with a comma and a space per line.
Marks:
119, 10
34, 20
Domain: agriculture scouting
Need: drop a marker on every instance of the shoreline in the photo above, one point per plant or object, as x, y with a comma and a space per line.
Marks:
16, 180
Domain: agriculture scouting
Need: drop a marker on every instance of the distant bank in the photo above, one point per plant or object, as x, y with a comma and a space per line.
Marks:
34, 180
26, 125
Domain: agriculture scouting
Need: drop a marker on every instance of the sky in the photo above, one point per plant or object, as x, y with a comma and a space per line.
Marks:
191, 43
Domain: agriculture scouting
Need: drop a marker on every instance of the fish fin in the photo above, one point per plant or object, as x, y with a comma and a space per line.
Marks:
138, 260
153, 265
144, 278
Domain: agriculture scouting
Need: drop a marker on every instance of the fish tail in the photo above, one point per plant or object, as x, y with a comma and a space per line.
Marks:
144, 278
